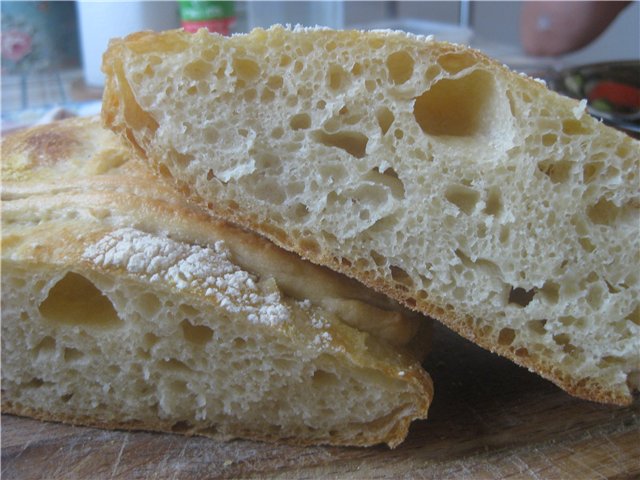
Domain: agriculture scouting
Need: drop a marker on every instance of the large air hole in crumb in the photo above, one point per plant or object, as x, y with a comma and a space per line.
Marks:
520, 296
354, 143
463, 197
74, 300
558, 172
456, 62
456, 107
506, 336
198, 334
400, 66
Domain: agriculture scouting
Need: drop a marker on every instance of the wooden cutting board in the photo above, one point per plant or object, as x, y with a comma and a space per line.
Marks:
489, 419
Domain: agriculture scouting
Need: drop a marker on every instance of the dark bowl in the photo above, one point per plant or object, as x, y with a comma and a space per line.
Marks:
612, 91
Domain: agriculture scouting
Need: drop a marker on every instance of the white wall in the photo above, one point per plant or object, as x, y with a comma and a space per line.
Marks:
499, 22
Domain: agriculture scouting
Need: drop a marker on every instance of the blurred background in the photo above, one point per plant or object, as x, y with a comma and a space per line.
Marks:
51, 51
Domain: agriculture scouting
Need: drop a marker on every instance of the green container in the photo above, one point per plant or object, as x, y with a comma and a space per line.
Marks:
205, 10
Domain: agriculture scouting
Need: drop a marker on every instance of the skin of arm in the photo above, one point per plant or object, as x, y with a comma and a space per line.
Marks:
553, 28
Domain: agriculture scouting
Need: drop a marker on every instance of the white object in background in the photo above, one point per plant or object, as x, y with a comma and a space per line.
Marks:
322, 13
98, 22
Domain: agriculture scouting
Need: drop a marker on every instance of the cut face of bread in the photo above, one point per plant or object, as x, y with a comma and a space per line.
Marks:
424, 169
125, 307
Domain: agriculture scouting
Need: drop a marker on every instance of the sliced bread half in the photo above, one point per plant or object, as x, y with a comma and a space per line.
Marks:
125, 307
426, 170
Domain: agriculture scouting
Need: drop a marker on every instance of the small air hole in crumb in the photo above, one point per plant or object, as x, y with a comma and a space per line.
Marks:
197, 334
506, 336
277, 132
520, 296
72, 354
494, 202
634, 316
456, 62
550, 292
463, 197
401, 276
562, 339
301, 121
385, 118
181, 427
246, 68
400, 65
558, 172
378, 259
586, 244
548, 139
354, 143
337, 77
537, 326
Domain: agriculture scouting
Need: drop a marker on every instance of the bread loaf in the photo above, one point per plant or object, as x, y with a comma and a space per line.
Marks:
426, 170
123, 306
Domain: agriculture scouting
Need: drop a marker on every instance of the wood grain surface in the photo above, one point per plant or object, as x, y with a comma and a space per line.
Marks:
489, 419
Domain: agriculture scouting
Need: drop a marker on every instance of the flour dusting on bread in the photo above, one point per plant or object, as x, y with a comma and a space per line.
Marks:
189, 266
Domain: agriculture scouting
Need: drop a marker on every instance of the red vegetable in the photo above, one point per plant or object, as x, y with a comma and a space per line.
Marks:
616, 93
